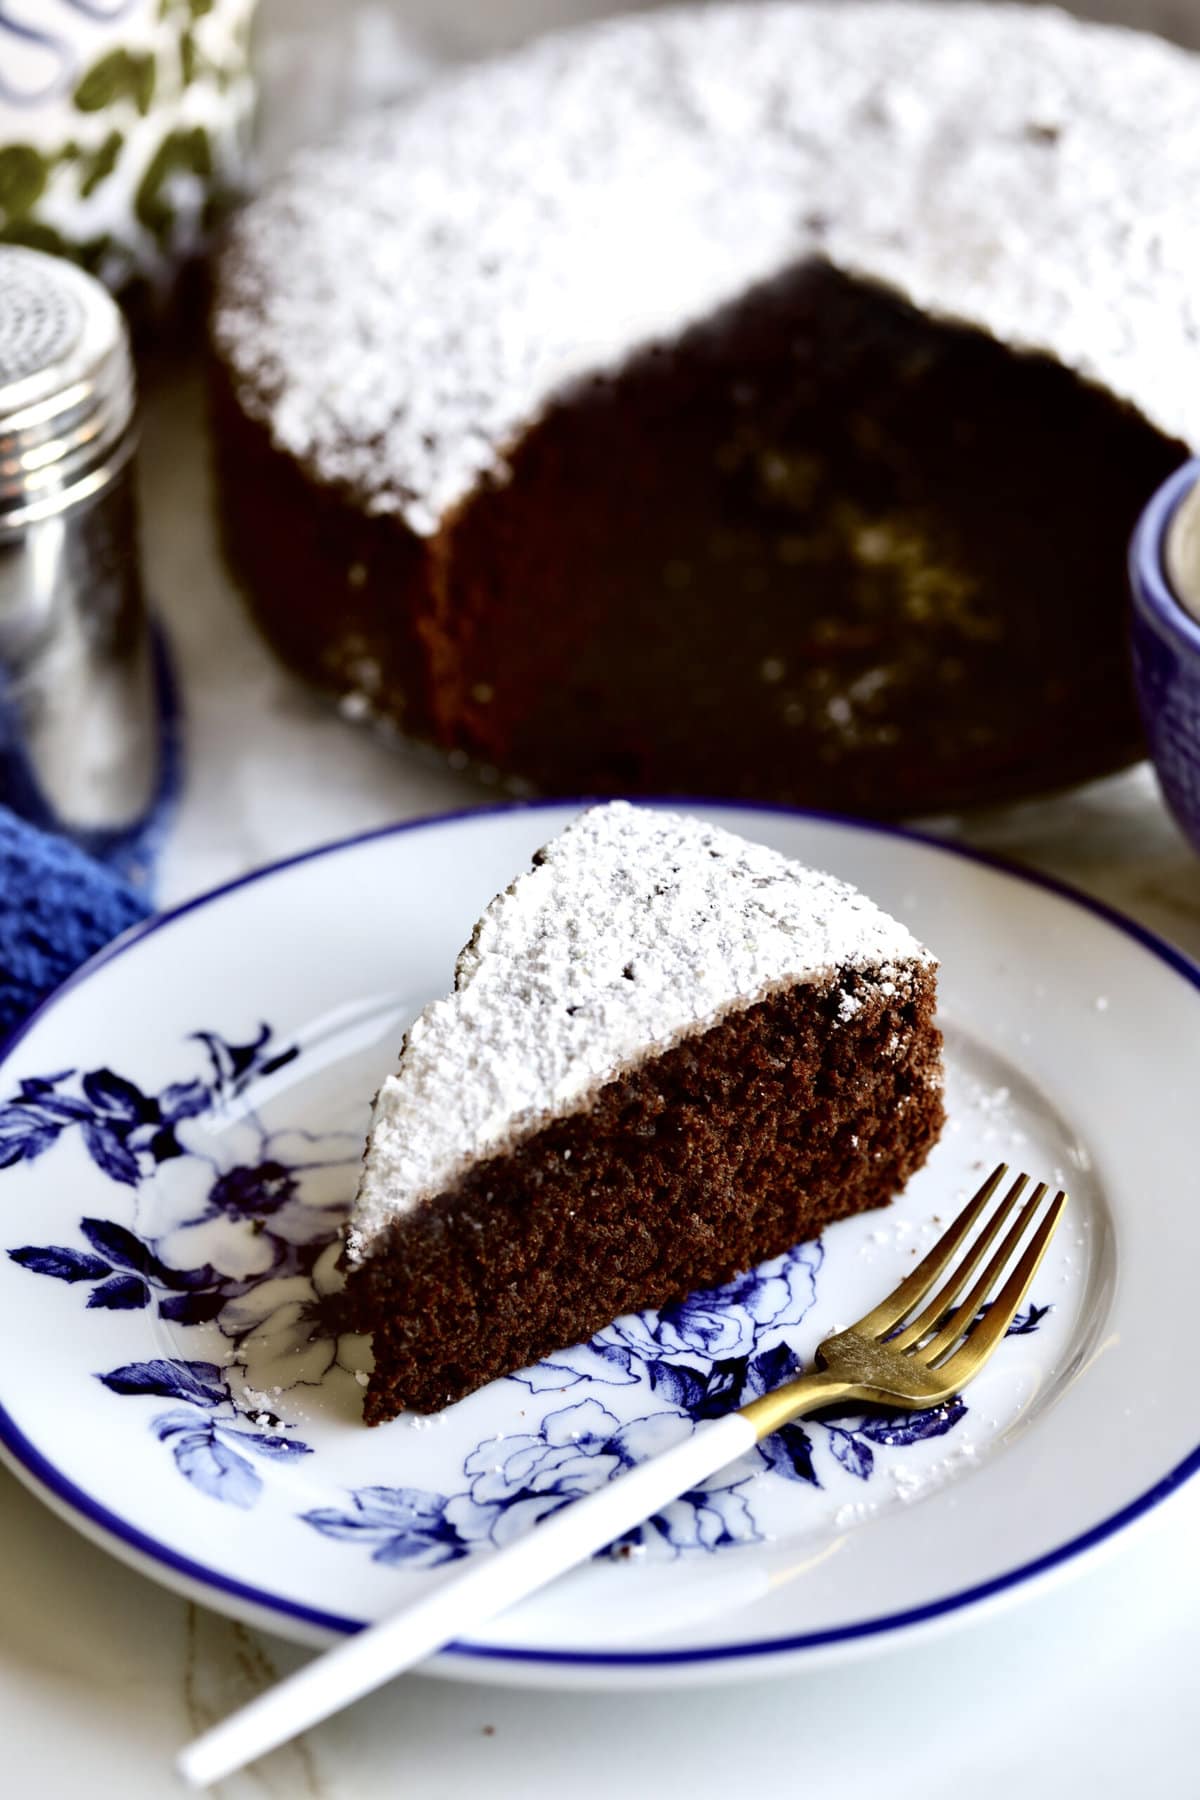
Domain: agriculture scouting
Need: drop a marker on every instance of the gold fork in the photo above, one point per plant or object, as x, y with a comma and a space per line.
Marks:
888, 1359
896, 1355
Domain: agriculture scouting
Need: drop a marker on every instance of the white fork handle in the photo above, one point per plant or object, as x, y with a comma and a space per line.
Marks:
487, 1586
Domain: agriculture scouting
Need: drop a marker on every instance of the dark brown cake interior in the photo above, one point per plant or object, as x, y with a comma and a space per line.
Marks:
826, 550
722, 1152
337, 592
822, 550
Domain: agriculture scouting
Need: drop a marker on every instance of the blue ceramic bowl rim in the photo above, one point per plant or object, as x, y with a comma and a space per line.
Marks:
1153, 595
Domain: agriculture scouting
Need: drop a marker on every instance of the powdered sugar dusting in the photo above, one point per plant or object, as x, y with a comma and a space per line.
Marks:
634, 928
404, 303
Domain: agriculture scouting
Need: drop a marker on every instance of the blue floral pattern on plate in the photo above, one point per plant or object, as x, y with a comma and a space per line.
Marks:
245, 1244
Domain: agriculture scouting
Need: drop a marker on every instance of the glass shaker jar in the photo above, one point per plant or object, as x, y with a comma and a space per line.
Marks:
82, 687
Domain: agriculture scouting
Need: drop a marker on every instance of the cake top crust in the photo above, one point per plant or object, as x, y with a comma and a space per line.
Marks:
634, 928
405, 302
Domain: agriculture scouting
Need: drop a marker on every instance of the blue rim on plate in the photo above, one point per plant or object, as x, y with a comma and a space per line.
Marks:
70, 1498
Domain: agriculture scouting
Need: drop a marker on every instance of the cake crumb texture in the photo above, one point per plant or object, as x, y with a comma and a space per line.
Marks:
686, 1171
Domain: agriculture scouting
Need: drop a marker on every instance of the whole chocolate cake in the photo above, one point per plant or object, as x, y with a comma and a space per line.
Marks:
752, 400
669, 1055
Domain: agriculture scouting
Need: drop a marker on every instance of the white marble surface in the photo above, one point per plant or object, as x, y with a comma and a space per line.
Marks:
1086, 1689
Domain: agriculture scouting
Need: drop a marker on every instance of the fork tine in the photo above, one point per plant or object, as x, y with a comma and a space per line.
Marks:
914, 1287
951, 1328
948, 1293
982, 1339
952, 1325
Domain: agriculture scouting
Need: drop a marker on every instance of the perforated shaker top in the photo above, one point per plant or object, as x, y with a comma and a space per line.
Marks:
40, 317
66, 385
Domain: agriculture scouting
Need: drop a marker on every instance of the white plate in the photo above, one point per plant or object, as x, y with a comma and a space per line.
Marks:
182, 1125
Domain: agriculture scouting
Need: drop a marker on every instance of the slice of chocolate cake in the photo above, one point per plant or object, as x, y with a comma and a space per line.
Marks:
669, 1055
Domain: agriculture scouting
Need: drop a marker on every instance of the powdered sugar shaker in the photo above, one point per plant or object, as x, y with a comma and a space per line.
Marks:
79, 717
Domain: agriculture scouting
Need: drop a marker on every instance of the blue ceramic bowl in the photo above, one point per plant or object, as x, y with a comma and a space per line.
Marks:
1166, 656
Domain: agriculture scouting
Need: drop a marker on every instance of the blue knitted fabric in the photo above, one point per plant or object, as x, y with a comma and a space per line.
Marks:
57, 908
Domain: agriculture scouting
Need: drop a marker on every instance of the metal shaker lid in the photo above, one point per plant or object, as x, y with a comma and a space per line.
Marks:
66, 387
